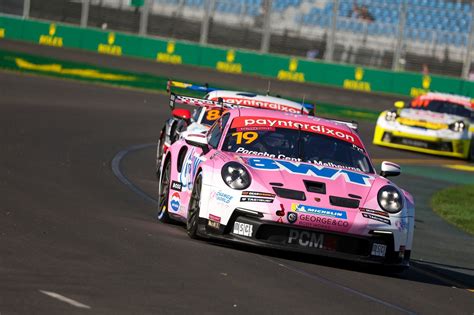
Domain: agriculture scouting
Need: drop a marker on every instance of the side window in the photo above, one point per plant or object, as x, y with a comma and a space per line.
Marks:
216, 131
196, 113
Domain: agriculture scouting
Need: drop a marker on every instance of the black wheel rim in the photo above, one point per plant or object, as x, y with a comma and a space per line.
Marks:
164, 190
194, 205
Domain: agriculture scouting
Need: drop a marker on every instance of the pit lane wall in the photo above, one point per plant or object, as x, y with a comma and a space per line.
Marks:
229, 60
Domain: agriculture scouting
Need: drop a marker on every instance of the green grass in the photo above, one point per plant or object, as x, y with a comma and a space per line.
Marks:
456, 205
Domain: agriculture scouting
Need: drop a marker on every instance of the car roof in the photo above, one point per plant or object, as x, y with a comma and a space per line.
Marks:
253, 96
457, 99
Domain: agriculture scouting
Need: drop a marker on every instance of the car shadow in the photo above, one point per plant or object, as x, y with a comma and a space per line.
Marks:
419, 271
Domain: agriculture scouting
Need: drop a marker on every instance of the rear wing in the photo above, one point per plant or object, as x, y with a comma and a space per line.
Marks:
194, 101
354, 125
189, 86
206, 89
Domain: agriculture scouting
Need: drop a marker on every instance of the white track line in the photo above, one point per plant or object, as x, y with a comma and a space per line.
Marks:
65, 299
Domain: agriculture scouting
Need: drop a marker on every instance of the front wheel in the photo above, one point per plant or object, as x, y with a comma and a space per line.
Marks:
192, 223
163, 194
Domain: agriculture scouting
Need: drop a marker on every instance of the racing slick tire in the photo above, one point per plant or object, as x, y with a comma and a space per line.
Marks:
163, 194
192, 223
159, 153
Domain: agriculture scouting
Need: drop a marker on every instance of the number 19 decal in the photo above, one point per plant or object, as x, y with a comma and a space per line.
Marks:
249, 136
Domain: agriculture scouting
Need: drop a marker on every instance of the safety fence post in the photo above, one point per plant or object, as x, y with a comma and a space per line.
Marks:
329, 56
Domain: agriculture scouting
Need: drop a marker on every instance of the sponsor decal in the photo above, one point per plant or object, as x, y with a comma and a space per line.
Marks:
310, 170
319, 211
376, 212
175, 201
305, 238
242, 150
357, 84
176, 186
215, 225
214, 221
378, 250
261, 104
223, 197
215, 154
330, 164
169, 56
190, 166
307, 219
255, 199
2, 32
292, 73
425, 87
258, 194
376, 218
214, 218
292, 217
402, 224
51, 39
110, 48
243, 229
252, 121
229, 66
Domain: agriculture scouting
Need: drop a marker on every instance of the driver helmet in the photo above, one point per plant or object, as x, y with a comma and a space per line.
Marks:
276, 140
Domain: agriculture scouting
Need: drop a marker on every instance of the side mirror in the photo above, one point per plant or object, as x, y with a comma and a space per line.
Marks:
389, 169
399, 104
198, 140
181, 113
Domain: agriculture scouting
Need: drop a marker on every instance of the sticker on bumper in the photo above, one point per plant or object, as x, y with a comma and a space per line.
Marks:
255, 199
306, 238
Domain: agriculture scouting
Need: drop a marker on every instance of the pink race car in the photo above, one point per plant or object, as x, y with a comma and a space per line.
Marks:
287, 181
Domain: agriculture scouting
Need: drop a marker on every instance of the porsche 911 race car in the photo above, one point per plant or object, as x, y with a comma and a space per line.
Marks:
287, 181
435, 123
206, 113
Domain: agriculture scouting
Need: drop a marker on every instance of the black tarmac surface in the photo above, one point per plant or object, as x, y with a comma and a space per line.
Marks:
69, 226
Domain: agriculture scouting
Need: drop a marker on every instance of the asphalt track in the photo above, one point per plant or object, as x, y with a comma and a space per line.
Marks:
71, 227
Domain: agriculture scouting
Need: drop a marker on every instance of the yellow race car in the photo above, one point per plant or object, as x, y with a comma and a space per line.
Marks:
434, 123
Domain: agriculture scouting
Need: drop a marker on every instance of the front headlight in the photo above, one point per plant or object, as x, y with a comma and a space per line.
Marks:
391, 115
390, 199
235, 176
457, 126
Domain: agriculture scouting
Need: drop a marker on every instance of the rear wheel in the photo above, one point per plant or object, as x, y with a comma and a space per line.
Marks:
163, 194
192, 223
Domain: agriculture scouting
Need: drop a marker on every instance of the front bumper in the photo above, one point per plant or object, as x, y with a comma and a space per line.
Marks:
458, 148
267, 234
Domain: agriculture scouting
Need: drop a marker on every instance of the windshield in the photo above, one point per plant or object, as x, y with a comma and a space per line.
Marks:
444, 107
297, 145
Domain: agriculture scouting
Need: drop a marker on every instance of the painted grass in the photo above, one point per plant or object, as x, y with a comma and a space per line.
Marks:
456, 205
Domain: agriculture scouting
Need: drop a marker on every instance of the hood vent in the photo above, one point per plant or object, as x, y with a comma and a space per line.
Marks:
315, 187
344, 202
289, 193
